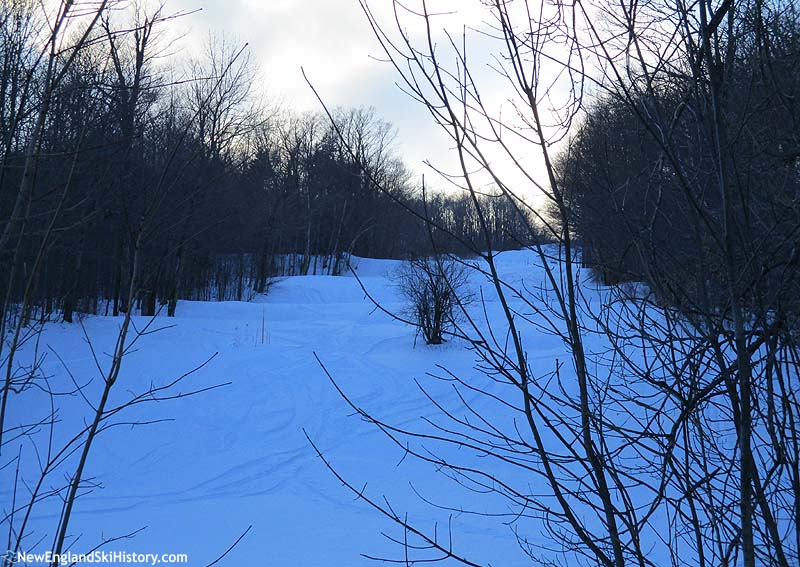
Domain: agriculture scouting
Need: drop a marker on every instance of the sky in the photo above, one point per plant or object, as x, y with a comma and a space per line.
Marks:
333, 42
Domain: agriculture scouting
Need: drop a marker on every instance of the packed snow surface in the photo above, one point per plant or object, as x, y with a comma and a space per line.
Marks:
205, 467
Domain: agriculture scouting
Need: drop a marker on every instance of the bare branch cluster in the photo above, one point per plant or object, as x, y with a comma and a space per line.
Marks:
666, 431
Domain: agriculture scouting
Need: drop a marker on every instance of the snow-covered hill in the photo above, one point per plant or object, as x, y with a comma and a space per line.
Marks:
238, 456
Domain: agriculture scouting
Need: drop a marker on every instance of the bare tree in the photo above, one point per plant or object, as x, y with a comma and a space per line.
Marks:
435, 290
671, 439
51, 469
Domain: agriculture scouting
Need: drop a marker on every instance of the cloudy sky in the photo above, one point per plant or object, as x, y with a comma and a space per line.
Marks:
333, 42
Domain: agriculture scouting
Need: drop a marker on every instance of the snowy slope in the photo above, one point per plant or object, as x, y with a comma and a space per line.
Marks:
238, 456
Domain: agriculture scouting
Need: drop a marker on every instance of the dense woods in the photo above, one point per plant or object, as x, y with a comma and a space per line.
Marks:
641, 173
118, 151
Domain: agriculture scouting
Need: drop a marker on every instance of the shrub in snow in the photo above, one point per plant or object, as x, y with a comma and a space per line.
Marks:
434, 289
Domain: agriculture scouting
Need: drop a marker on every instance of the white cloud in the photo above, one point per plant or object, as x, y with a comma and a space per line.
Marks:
333, 42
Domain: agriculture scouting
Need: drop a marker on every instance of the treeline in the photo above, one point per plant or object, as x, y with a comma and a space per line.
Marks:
122, 168
642, 174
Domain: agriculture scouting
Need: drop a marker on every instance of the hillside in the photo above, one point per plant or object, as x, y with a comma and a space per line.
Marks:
237, 455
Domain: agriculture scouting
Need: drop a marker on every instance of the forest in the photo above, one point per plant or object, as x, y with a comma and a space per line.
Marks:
113, 153
606, 287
